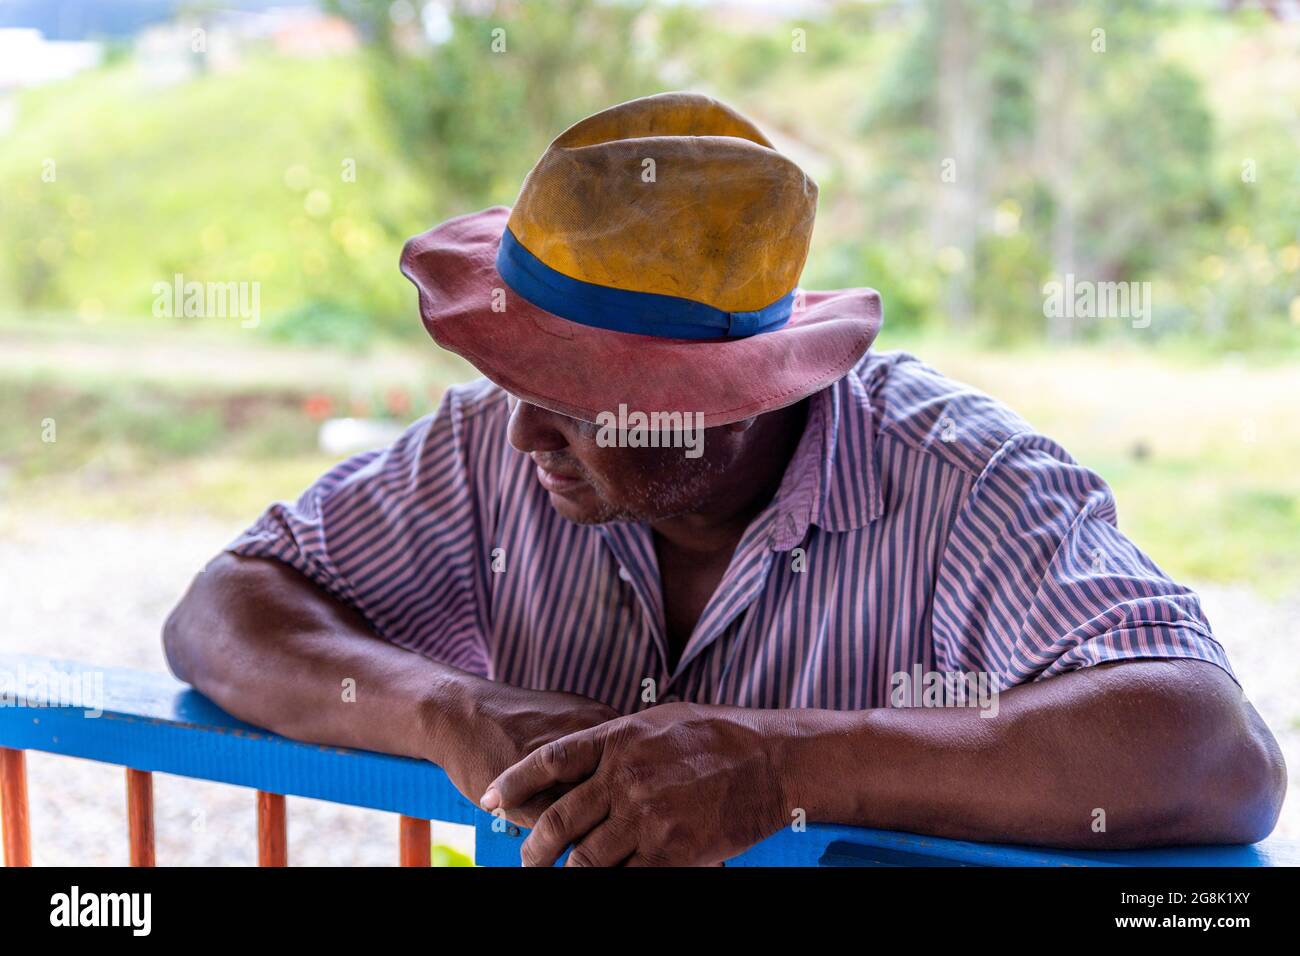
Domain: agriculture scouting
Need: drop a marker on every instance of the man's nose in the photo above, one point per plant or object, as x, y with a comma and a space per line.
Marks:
533, 428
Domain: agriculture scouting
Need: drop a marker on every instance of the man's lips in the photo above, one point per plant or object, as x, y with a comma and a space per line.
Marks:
558, 481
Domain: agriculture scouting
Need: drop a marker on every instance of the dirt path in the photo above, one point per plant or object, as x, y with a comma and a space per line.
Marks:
99, 592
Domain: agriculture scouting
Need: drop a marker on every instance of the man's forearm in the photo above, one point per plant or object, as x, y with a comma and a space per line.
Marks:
266, 646
1157, 752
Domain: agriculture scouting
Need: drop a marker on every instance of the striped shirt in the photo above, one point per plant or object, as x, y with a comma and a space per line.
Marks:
918, 523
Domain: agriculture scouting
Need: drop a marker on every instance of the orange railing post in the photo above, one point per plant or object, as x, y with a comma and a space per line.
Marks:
13, 808
272, 835
417, 848
139, 816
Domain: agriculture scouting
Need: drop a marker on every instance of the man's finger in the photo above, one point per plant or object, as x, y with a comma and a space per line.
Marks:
607, 845
528, 814
566, 821
566, 760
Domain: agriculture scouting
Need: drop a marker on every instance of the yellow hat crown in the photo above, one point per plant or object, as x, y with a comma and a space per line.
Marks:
674, 195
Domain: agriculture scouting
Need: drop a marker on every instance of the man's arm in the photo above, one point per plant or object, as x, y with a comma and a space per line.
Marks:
272, 649
1169, 750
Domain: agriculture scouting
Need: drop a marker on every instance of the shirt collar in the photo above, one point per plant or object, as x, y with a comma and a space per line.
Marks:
832, 479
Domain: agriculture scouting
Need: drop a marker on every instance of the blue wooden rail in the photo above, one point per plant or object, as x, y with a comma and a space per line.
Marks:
154, 723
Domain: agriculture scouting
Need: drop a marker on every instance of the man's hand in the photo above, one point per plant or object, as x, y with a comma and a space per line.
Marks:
495, 725
692, 784
676, 785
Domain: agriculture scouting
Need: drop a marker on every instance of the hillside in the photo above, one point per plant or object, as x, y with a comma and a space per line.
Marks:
213, 179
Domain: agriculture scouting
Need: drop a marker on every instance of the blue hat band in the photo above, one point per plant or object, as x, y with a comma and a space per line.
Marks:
624, 310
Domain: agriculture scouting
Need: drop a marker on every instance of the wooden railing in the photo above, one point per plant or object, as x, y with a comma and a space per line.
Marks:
151, 723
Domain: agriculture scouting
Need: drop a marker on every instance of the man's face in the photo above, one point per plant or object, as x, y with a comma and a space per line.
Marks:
592, 484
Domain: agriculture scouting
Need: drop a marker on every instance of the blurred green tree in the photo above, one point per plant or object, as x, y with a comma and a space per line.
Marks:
475, 91
1035, 140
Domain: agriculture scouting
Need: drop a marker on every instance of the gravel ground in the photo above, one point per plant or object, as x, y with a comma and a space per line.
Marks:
99, 592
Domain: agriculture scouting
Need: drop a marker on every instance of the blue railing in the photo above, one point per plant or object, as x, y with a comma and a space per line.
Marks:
152, 723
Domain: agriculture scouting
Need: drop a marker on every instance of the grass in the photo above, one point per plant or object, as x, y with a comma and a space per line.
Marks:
1201, 451
213, 179
183, 422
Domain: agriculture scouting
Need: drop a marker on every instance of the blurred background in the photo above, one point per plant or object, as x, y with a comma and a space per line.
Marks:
969, 155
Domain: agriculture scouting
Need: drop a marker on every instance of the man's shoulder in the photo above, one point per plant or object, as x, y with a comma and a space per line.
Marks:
478, 398
466, 409
915, 404
471, 417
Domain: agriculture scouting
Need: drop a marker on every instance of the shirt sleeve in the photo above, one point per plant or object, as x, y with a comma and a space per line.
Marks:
1037, 580
397, 535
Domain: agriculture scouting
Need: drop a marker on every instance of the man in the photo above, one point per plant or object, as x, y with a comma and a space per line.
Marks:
658, 645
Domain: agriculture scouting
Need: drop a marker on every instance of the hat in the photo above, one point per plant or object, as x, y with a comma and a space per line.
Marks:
651, 261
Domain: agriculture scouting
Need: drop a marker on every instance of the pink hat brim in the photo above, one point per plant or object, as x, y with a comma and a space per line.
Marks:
581, 371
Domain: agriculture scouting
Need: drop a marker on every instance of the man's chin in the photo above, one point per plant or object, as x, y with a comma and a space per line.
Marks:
586, 508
